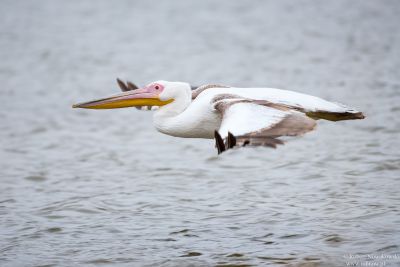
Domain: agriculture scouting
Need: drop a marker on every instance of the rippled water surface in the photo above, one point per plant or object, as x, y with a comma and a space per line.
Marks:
83, 187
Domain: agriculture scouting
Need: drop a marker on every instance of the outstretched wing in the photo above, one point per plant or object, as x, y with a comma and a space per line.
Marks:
257, 122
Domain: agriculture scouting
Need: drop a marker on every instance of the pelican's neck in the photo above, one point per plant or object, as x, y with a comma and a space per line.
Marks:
166, 118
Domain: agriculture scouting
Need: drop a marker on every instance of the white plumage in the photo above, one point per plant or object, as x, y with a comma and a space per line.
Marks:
241, 116
199, 118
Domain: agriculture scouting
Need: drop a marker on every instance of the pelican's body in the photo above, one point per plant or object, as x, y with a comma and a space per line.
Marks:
258, 114
198, 118
188, 118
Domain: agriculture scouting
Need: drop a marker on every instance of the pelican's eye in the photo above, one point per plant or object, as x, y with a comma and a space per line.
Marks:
156, 87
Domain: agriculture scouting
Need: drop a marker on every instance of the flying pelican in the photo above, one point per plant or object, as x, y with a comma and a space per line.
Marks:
232, 116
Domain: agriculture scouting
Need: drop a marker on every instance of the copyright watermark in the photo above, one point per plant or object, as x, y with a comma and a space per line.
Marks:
382, 259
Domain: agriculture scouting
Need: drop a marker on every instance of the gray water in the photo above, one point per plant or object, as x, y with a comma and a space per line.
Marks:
86, 188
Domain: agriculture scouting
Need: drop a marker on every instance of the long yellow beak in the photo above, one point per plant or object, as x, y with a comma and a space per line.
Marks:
134, 98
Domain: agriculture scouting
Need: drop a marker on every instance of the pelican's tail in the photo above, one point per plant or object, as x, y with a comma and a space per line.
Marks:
336, 116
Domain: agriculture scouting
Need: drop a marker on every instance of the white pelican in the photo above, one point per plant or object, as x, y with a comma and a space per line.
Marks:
233, 116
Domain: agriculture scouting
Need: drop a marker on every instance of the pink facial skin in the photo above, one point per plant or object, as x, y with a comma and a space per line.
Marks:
150, 90
154, 88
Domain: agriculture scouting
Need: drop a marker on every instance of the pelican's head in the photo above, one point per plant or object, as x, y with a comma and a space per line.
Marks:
158, 93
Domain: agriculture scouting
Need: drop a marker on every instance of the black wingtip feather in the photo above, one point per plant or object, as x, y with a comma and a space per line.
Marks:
131, 85
122, 85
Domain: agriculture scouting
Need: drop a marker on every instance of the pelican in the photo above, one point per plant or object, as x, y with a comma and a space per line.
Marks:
233, 116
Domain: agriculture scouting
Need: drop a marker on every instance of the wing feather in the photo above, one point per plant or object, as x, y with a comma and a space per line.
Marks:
255, 122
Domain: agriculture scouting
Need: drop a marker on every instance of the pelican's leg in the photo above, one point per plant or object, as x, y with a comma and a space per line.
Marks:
231, 140
219, 143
